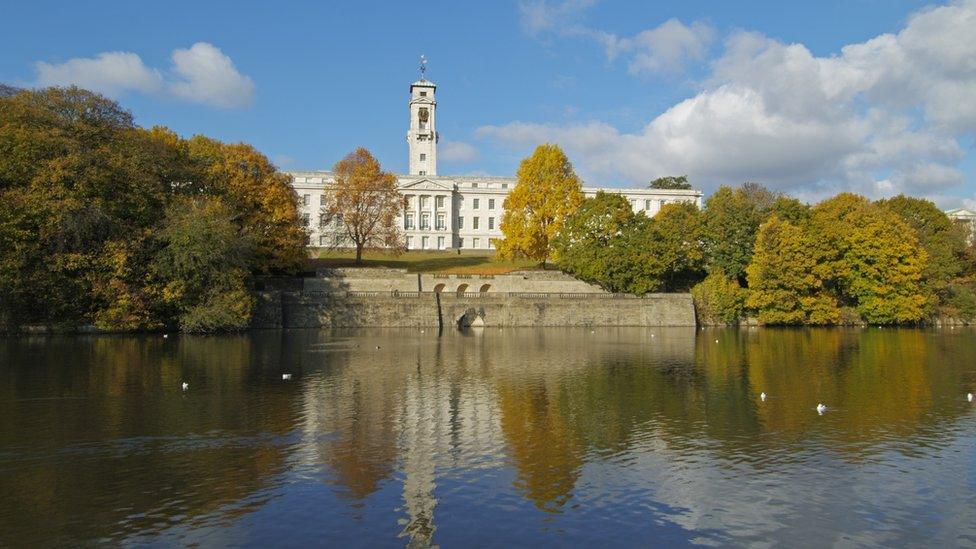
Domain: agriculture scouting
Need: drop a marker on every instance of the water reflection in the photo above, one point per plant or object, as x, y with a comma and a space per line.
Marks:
516, 436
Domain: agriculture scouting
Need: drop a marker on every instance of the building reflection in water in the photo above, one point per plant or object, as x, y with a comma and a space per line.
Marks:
477, 399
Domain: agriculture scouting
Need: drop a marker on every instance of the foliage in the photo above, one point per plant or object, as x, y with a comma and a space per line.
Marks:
961, 301
671, 182
731, 220
264, 204
590, 243
872, 259
605, 243
943, 241
367, 201
85, 193
719, 299
546, 193
785, 286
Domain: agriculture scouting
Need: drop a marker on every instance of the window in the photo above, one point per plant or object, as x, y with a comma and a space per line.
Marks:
647, 204
322, 200
439, 202
475, 203
504, 185
440, 242
474, 185
423, 242
491, 203
338, 220
306, 199
460, 243
475, 242
423, 157
460, 223
491, 223
491, 243
337, 240
424, 221
305, 219
423, 172
323, 221
323, 240
424, 200
409, 242
474, 223
440, 225
423, 94
408, 222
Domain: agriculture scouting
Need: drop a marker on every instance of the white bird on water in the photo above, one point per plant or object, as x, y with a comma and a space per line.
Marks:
165, 336
286, 377
969, 397
186, 385
821, 408
762, 396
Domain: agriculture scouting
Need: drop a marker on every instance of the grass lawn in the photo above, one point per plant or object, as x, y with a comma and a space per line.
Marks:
427, 261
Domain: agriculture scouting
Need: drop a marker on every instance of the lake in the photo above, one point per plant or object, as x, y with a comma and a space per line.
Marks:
494, 436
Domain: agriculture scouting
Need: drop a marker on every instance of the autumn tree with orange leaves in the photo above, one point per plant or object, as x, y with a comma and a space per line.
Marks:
366, 201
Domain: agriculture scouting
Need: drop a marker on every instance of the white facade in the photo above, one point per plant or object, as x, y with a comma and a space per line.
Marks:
446, 212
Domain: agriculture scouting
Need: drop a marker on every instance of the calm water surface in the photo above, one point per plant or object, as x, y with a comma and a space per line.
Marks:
500, 436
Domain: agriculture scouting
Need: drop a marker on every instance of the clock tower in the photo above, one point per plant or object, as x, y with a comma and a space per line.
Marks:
422, 136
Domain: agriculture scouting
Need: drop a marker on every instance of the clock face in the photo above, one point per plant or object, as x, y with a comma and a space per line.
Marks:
424, 114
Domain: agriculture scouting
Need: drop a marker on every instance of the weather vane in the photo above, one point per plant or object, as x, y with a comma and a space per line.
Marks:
423, 67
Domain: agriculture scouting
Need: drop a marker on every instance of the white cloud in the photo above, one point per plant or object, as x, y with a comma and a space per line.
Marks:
457, 152
664, 48
110, 73
208, 76
201, 74
542, 16
883, 116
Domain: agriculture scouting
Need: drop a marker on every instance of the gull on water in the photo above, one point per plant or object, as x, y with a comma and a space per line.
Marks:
821, 408
186, 385
969, 397
286, 377
762, 396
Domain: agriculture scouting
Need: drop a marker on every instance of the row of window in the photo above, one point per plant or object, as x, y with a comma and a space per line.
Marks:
441, 241
425, 201
408, 222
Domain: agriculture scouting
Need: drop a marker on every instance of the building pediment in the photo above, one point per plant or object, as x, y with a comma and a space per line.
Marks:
424, 185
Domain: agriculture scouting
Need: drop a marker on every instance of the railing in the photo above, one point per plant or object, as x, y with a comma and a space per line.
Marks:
472, 295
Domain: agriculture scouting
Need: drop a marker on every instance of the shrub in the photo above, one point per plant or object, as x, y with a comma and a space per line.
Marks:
719, 300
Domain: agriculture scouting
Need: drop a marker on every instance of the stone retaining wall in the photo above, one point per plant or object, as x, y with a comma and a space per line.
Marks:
311, 309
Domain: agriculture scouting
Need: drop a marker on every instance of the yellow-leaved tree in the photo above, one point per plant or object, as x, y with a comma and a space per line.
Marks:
547, 192
366, 201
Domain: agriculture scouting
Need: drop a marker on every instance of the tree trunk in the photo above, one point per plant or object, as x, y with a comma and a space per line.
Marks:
359, 254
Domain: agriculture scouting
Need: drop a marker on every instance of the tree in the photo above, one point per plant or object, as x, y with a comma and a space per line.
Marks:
203, 265
719, 299
731, 219
367, 201
943, 241
871, 259
589, 244
546, 194
785, 287
671, 182
84, 194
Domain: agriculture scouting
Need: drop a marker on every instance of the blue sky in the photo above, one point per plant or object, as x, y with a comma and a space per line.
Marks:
878, 97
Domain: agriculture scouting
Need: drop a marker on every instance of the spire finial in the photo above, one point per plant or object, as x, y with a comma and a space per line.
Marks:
423, 67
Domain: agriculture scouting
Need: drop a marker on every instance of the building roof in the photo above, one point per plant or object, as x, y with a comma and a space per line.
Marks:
423, 82
487, 180
961, 213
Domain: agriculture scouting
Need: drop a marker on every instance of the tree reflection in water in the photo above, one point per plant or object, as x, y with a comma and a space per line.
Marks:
426, 436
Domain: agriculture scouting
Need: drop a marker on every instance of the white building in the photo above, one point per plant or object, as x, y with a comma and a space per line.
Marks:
964, 217
446, 212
